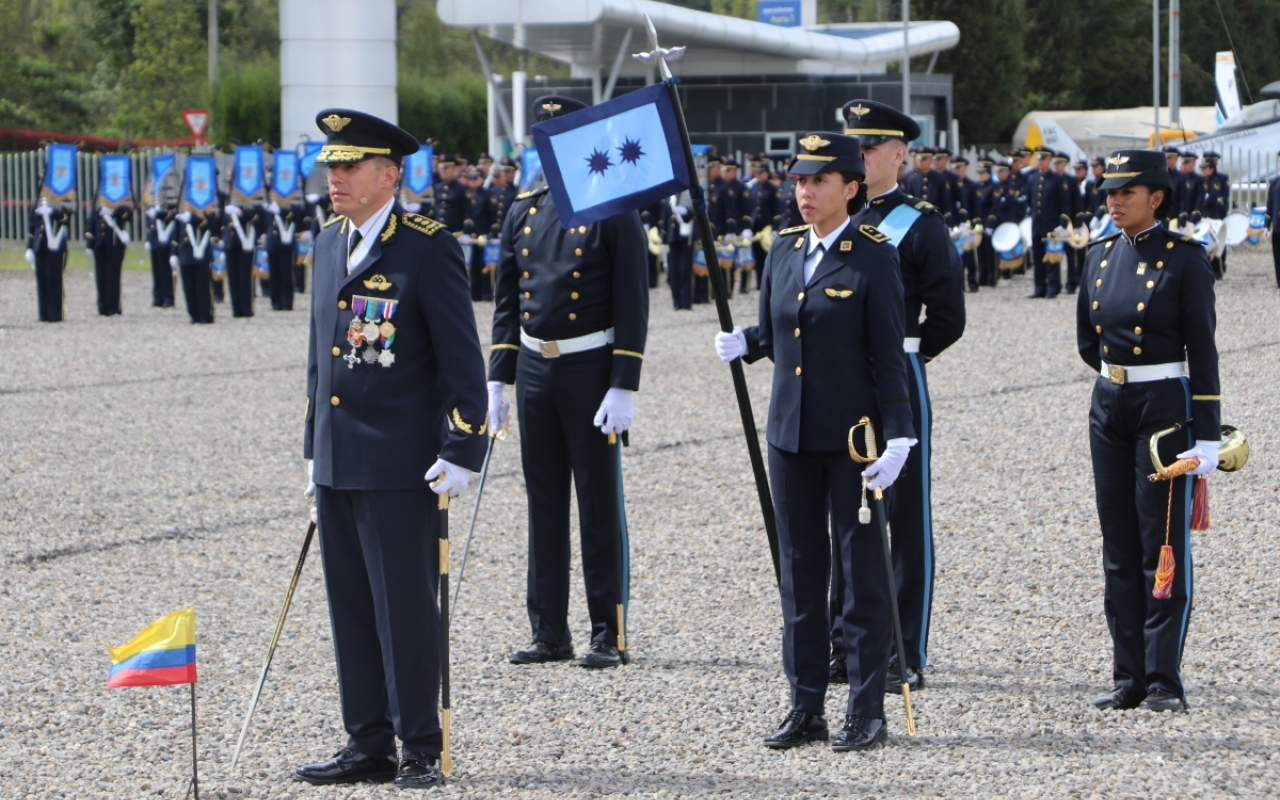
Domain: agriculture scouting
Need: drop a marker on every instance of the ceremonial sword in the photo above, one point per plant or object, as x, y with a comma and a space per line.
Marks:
466, 546
275, 638
446, 759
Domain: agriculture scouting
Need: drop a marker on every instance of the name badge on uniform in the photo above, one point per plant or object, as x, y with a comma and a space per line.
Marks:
371, 329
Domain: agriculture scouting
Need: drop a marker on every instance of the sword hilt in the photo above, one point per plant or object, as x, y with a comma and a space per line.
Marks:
444, 496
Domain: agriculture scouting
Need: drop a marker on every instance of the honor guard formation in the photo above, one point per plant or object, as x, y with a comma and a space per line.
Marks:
860, 266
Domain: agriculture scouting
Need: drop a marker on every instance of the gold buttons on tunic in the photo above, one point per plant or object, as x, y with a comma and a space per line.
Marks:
337, 351
1109, 244
572, 316
582, 229
533, 211
526, 315
1159, 265
527, 229
1097, 328
573, 295
527, 295
577, 251
800, 296
1103, 264
524, 252
1168, 245
342, 304
1137, 351
1095, 305
333, 401
577, 274
1098, 282
1142, 306
1151, 284
526, 275
1106, 349
1138, 330
797, 370
797, 333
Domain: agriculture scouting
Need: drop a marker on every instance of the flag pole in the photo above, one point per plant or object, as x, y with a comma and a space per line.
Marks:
195, 772
720, 292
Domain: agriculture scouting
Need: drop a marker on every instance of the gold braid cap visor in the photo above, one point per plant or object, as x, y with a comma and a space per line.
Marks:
345, 153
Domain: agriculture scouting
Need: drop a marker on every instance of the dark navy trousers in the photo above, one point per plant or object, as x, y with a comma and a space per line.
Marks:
680, 274
107, 263
381, 569
281, 260
161, 276
805, 485
1147, 634
49, 291
196, 288
557, 399
240, 280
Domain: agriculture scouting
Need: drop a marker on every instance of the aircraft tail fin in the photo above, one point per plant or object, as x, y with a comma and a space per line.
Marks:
1228, 94
1049, 133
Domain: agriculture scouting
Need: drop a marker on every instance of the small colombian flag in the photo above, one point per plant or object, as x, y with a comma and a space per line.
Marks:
163, 654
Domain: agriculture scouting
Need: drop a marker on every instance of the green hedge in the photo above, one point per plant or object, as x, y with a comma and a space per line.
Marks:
246, 103
451, 109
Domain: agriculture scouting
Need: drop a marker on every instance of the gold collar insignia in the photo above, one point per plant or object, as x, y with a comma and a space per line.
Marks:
335, 122
378, 283
813, 142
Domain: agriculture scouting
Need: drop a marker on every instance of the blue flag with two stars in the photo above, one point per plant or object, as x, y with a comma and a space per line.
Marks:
614, 157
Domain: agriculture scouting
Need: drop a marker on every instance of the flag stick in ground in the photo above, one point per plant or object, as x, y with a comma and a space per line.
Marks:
720, 292
195, 773
275, 639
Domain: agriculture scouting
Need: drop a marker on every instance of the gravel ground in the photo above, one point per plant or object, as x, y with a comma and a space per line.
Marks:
152, 465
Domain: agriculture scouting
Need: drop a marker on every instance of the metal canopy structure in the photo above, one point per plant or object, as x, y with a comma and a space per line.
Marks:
589, 35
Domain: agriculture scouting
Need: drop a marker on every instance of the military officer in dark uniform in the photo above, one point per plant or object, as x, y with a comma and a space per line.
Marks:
570, 321
732, 200
395, 376
791, 216
1273, 221
448, 204
1145, 322
243, 226
502, 193
1214, 201
1096, 198
161, 226
47, 255
933, 293
831, 321
476, 224
1049, 204
954, 194
107, 236
1186, 196
967, 210
764, 210
283, 225
193, 258
987, 185
1075, 202
680, 235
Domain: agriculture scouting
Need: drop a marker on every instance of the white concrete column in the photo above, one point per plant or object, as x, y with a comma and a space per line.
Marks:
335, 53
519, 108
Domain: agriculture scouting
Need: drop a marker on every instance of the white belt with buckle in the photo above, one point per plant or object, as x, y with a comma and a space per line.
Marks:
564, 347
911, 344
1143, 374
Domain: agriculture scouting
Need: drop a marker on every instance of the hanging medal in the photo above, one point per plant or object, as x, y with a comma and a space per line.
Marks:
387, 332
355, 331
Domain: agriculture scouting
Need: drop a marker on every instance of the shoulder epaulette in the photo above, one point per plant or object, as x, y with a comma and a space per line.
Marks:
1092, 242
333, 219
796, 229
423, 224
873, 233
1191, 240
530, 193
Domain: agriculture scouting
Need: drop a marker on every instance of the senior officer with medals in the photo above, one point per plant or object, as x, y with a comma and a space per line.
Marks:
832, 321
395, 376
570, 319
1145, 321
933, 288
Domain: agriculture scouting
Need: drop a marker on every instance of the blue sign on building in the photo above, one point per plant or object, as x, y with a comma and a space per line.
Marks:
779, 12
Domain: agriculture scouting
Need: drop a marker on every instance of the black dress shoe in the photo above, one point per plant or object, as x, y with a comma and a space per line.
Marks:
837, 671
419, 771
1035, 296
602, 656
1122, 698
348, 766
799, 727
860, 733
1163, 700
893, 679
541, 653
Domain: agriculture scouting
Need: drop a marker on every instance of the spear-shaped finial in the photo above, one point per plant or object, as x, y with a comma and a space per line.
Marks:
659, 54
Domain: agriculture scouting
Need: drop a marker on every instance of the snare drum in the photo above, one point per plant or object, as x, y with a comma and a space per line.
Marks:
1009, 247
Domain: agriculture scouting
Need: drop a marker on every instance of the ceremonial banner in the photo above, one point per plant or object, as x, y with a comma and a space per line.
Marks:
284, 177
309, 152
162, 655
530, 167
247, 183
60, 174
614, 157
417, 174
161, 167
115, 179
199, 190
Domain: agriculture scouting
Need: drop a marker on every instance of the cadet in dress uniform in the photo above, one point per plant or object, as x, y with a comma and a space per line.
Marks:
502, 193
790, 208
47, 255
162, 224
933, 295
1050, 207
701, 283
1273, 221
831, 321
1186, 196
1008, 205
1171, 155
1214, 201
193, 257
107, 237
1097, 198
570, 320
476, 223
680, 235
448, 203
1146, 307
1075, 201
764, 210
955, 192
983, 200
967, 209
283, 225
733, 201
244, 224
395, 376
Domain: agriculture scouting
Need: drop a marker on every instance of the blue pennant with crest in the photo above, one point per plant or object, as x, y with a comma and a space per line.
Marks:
161, 168
530, 167
115, 180
309, 152
60, 174
417, 174
284, 177
199, 185
247, 183
614, 157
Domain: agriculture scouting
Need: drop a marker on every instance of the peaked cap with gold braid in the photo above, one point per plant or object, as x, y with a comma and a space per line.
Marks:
352, 136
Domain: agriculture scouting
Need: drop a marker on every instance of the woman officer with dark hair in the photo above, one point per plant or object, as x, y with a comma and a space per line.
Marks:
1145, 322
831, 320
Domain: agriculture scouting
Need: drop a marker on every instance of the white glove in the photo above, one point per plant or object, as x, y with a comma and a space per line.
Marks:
147, 246
152, 212
233, 210
104, 212
731, 345
884, 471
173, 261
306, 236
498, 408
455, 480
731, 237
313, 199
616, 411
88, 251
413, 208
124, 236
681, 210
746, 233
464, 240
311, 479
1207, 452
30, 256
44, 211
647, 227
184, 217
273, 208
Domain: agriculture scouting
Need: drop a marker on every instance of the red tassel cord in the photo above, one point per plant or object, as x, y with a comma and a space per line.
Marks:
1163, 588
1200, 505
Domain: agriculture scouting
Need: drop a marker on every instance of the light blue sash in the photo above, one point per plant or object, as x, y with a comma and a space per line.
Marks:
899, 221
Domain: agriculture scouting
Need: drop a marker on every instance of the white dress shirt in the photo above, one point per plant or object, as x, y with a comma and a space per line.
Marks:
371, 227
814, 255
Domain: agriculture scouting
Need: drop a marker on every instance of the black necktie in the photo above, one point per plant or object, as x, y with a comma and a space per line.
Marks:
355, 242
